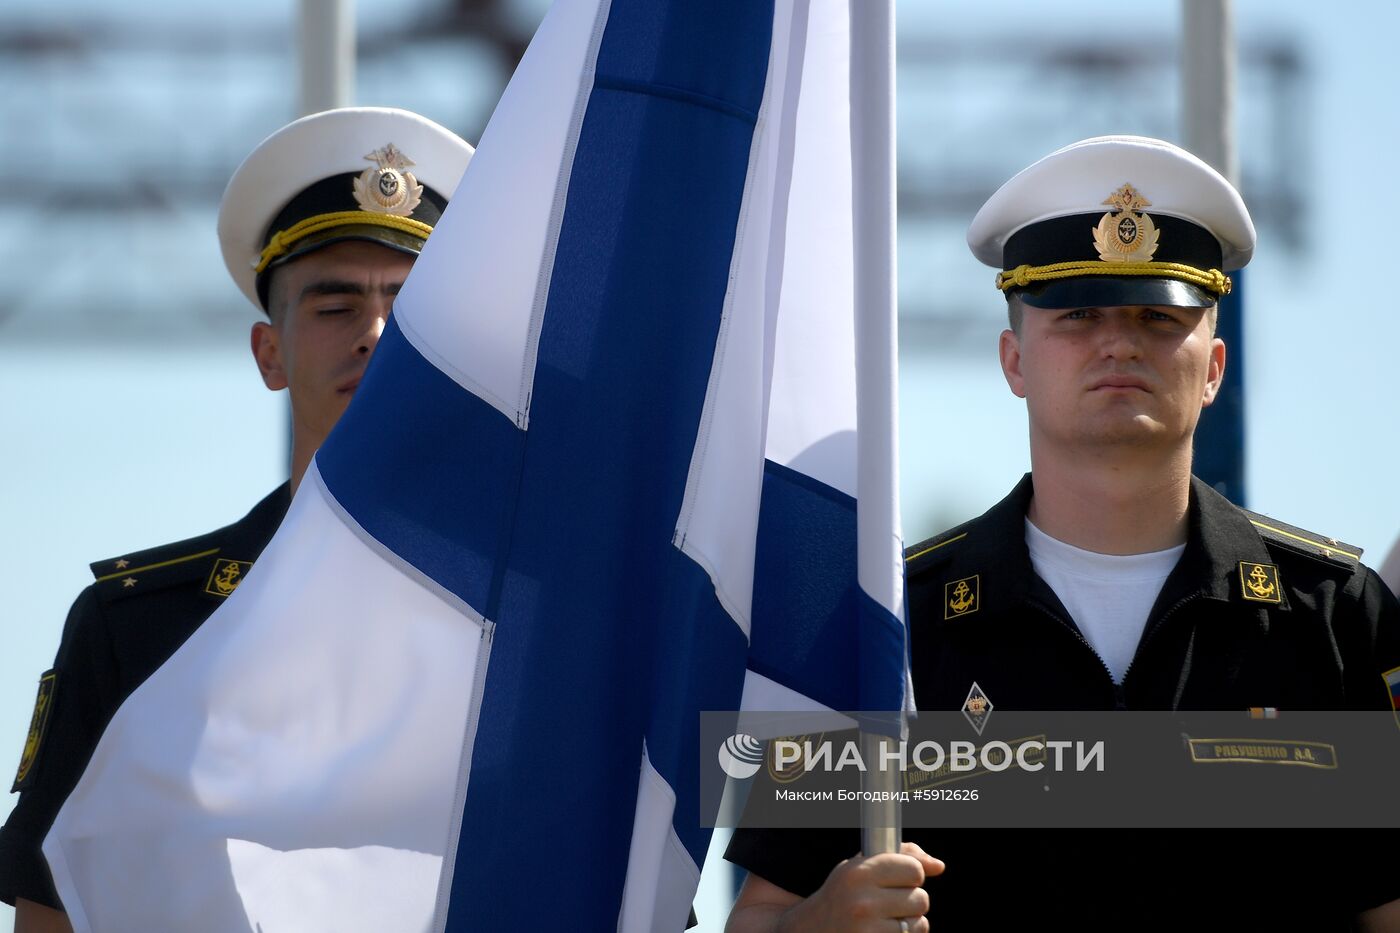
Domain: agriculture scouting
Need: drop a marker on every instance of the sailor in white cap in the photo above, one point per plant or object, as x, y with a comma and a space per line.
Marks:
1109, 579
319, 227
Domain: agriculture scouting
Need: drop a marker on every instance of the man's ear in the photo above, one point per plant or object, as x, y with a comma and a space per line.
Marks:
266, 344
1009, 347
1215, 372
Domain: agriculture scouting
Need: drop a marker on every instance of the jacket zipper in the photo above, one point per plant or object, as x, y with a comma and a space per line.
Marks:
1119, 700
1151, 634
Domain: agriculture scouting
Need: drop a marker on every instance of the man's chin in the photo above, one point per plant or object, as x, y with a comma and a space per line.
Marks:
1136, 430
331, 411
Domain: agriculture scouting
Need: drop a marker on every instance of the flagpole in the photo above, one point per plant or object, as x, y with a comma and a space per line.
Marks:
1208, 65
873, 207
327, 41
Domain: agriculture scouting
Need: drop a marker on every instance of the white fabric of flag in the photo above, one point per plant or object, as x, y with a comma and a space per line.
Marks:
616, 461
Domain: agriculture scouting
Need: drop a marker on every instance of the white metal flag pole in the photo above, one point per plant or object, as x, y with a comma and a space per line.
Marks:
327, 39
878, 531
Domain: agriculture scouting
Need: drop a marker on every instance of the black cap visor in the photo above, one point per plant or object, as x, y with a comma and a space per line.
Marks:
335, 194
399, 240
1107, 291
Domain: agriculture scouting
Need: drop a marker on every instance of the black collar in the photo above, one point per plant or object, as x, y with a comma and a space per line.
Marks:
245, 539
1220, 543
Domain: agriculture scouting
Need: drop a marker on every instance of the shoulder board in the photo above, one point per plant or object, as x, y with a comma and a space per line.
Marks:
156, 568
1307, 543
934, 550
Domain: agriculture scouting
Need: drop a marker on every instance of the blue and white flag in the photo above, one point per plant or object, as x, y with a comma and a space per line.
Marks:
616, 461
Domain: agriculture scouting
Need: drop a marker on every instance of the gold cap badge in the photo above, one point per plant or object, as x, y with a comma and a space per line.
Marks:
1125, 234
388, 188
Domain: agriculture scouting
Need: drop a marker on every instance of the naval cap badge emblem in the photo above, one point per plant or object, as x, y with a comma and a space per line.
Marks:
388, 187
1125, 234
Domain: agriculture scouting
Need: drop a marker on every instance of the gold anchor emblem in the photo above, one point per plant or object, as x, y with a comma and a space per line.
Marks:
1127, 235
226, 580
960, 596
226, 576
1260, 582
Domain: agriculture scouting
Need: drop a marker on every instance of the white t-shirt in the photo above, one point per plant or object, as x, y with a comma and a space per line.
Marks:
1108, 595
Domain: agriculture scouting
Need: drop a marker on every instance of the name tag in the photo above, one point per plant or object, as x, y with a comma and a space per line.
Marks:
1260, 751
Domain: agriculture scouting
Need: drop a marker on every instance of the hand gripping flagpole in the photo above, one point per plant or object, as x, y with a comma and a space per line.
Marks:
877, 480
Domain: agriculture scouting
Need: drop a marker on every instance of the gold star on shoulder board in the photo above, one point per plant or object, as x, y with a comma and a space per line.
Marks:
122, 563
129, 582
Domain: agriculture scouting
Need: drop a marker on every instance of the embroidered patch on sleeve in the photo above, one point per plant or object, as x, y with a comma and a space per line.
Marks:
1392, 686
38, 725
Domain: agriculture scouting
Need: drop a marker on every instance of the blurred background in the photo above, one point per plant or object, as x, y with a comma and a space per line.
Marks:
133, 414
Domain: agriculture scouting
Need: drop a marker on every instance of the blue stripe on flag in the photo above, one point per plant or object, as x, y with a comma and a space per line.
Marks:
805, 603
598, 610
463, 455
882, 652
699, 666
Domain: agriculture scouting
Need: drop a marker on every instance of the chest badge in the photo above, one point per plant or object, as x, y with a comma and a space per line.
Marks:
960, 597
1259, 582
226, 576
977, 708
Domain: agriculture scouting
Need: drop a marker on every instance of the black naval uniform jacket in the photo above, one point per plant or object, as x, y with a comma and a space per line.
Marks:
140, 609
1255, 614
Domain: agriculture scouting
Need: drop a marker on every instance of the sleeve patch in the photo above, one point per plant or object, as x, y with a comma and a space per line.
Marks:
38, 725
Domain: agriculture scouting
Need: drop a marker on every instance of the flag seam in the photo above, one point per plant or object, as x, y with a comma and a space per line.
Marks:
459, 799
739, 614
440, 363
670, 92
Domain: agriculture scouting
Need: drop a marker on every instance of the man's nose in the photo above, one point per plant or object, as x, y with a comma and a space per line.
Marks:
1120, 339
369, 337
